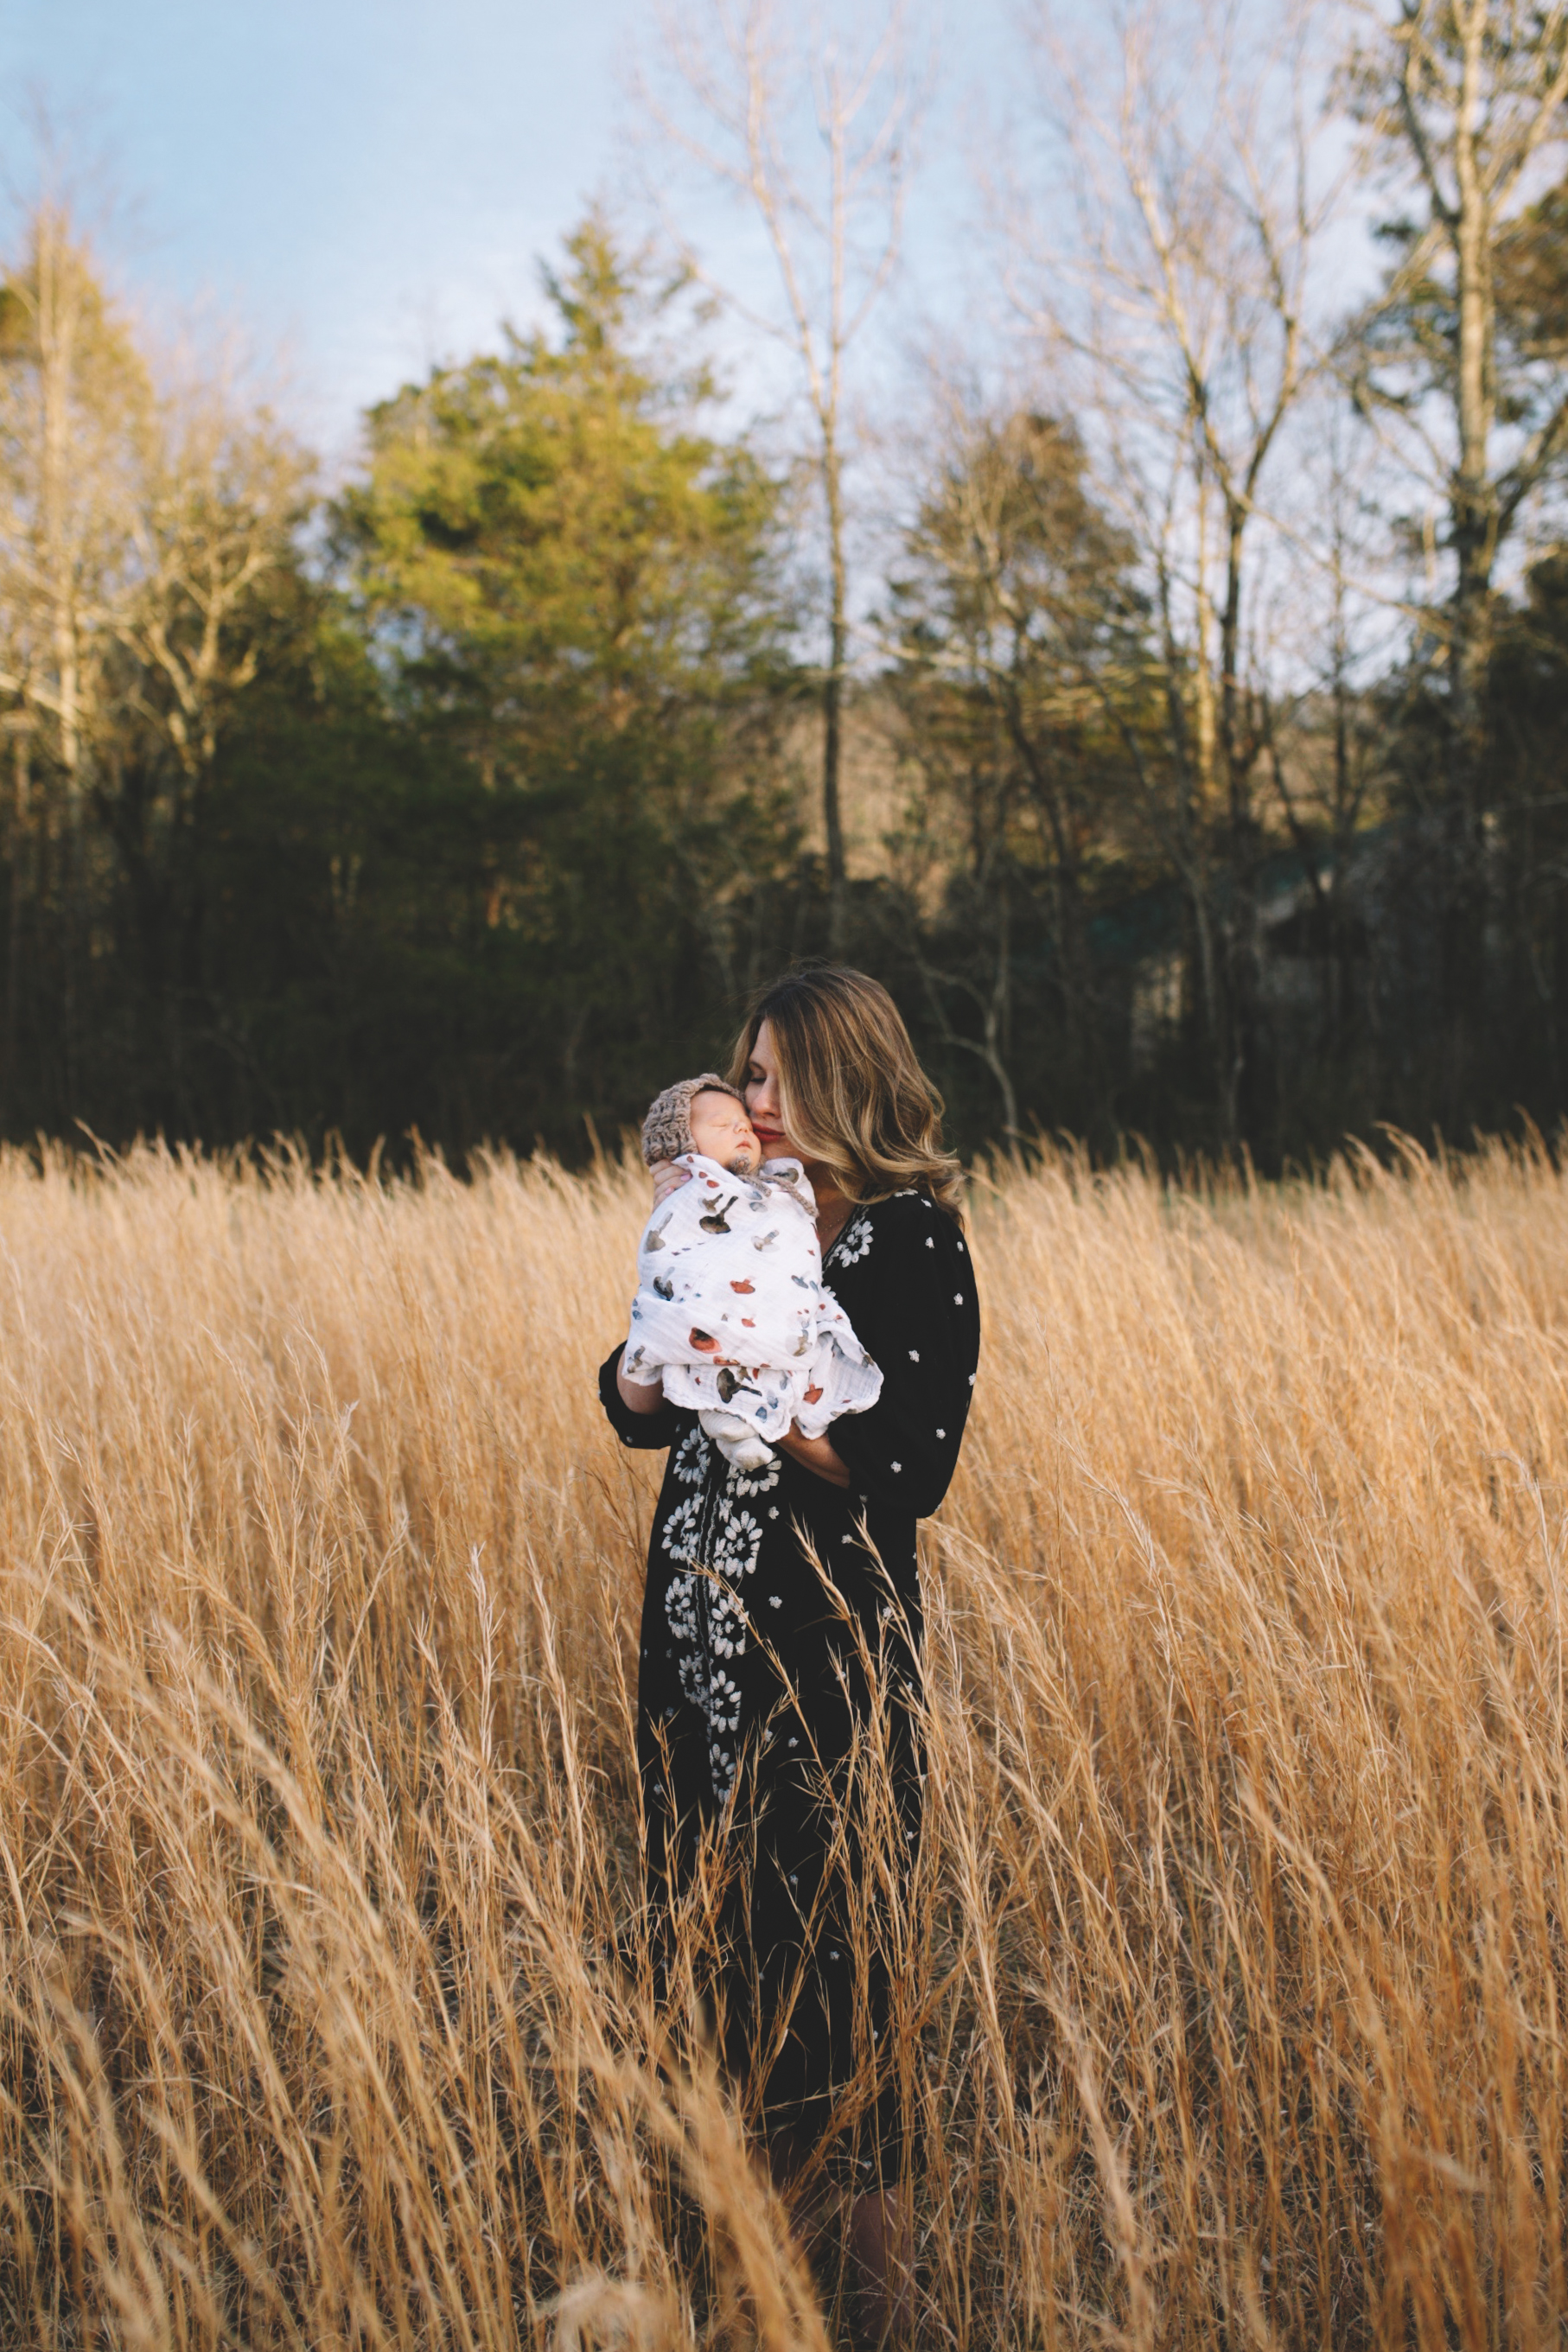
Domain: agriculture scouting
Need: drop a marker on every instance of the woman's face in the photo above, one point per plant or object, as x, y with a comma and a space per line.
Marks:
761, 1092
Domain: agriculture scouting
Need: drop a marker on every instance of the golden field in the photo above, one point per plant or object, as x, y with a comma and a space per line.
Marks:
327, 2019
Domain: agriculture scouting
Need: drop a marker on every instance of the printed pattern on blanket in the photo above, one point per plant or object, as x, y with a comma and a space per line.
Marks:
730, 1311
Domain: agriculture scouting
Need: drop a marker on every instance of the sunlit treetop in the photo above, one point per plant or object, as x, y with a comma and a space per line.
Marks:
548, 524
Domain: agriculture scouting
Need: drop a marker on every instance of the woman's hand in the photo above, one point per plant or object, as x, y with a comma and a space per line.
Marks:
815, 1454
668, 1178
635, 1395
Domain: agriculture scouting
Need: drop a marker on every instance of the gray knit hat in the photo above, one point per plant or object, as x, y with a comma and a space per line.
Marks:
667, 1130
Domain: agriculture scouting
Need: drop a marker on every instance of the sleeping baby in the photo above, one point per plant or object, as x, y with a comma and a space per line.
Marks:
730, 1313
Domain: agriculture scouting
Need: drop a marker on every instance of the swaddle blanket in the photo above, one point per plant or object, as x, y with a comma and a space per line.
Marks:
730, 1311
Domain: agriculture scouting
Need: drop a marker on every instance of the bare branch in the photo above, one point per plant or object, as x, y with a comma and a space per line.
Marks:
813, 135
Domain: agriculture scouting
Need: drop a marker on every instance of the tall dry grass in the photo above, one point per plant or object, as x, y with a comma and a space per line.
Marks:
324, 2012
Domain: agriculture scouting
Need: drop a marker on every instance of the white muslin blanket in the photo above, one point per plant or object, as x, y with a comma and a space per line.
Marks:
730, 1312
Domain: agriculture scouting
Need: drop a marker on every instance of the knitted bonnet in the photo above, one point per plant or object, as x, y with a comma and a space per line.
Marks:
667, 1130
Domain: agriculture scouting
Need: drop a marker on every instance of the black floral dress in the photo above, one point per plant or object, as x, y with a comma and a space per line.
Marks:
760, 1676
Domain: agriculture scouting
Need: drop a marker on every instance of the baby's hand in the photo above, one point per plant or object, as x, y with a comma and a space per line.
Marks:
667, 1178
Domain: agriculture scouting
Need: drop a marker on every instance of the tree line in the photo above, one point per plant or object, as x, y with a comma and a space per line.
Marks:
1215, 639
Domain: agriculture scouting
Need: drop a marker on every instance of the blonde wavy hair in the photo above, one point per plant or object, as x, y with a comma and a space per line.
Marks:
851, 1093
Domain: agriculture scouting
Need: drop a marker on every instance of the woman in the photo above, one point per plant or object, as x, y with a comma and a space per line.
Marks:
780, 1630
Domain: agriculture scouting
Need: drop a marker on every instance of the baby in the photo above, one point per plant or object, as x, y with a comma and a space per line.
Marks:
730, 1313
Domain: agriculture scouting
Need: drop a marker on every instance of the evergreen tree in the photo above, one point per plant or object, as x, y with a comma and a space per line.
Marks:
577, 594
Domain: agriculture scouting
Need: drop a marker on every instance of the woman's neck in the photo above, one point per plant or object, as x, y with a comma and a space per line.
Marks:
833, 1206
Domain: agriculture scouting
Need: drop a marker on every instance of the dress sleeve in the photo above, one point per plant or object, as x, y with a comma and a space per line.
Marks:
920, 1319
647, 1431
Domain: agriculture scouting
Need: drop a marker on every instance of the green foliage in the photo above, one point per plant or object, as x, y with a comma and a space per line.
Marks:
470, 839
575, 598
484, 826
1021, 672
1022, 645
548, 542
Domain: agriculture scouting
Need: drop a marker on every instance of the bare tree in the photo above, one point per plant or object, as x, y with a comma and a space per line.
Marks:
76, 407
809, 127
1325, 743
136, 522
221, 497
142, 527
1177, 313
1468, 98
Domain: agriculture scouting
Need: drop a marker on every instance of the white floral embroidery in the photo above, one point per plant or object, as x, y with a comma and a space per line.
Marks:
737, 1539
853, 1243
723, 1715
930, 1241
690, 1463
758, 1482
941, 1432
914, 1354
958, 1298
680, 1527
897, 1465
715, 1542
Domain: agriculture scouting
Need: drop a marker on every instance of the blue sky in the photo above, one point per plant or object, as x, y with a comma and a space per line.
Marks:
360, 186
355, 185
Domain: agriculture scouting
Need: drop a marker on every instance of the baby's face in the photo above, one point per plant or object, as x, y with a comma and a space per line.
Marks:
720, 1131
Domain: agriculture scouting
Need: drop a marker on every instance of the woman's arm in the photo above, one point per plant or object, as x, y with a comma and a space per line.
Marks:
639, 1417
815, 1454
915, 1311
634, 1395
637, 1396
